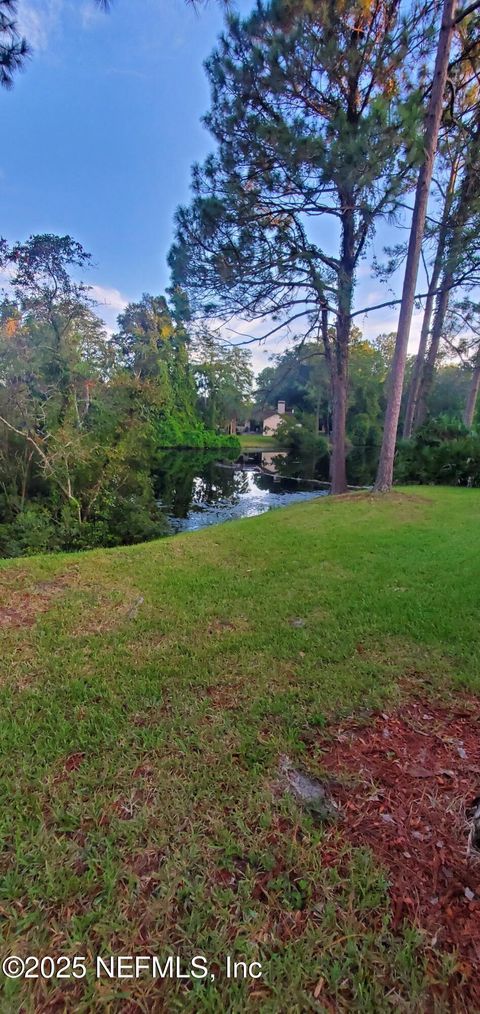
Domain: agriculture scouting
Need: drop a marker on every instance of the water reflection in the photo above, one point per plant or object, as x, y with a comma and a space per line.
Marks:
270, 461
361, 464
196, 490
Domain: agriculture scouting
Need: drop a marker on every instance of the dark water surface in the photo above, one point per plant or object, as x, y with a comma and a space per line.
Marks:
197, 489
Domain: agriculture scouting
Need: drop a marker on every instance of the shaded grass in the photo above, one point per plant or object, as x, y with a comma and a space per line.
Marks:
142, 718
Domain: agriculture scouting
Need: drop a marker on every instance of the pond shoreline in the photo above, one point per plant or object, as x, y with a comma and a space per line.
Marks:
198, 489
318, 483
195, 492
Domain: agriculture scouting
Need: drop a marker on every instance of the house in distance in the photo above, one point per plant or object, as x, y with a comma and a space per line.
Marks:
271, 419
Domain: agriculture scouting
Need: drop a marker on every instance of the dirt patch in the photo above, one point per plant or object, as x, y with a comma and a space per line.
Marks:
147, 862
409, 782
227, 695
20, 606
225, 625
109, 612
408, 497
395, 496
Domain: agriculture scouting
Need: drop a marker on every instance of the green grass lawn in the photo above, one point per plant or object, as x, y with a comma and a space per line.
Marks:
144, 708
257, 441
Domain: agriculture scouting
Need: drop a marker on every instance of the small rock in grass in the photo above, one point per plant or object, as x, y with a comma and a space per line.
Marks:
307, 790
133, 611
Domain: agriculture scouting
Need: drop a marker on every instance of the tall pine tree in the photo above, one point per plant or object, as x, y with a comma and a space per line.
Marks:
315, 118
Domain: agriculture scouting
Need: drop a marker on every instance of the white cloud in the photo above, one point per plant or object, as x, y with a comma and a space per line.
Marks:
38, 21
371, 325
109, 297
111, 302
386, 321
239, 332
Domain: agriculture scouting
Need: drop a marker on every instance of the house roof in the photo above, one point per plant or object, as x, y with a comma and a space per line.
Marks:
270, 412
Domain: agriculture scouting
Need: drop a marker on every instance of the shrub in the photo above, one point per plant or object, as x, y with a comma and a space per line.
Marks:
440, 430
296, 434
31, 531
182, 432
364, 432
431, 458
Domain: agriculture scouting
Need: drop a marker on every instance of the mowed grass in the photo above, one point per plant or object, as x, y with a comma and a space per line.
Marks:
257, 442
143, 713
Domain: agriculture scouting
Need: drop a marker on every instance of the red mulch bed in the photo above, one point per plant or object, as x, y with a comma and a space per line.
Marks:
412, 776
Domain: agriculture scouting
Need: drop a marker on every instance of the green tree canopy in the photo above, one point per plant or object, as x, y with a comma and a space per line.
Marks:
225, 380
315, 117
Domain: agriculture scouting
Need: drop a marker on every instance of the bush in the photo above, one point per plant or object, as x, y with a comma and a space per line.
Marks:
439, 431
32, 531
182, 432
118, 520
128, 520
364, 432
296, 434
431, 459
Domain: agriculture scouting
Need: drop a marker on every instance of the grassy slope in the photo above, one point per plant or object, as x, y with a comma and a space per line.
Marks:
140, 741
257, 442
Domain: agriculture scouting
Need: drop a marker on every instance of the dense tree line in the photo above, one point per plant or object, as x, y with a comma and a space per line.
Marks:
300, 376
336, 113
328, 119
83, 414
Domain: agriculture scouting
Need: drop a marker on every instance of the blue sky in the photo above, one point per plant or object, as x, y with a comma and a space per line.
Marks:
100, 132
102, 129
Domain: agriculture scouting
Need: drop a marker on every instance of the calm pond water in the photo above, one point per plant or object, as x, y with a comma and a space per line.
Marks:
197, 489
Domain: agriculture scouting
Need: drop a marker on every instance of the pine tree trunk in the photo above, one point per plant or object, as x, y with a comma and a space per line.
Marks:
429, 367
338, 468
316, 423
469, 413
417, 373
418, 368
323, 340
327, 345
385, 468
464, 205
339, 365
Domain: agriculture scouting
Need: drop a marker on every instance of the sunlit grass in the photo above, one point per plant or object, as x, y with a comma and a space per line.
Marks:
258, 442
143, 714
